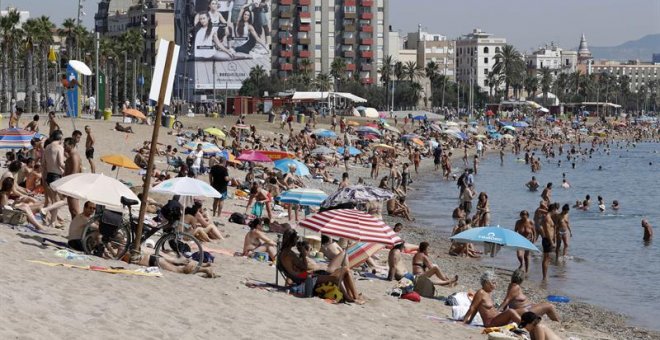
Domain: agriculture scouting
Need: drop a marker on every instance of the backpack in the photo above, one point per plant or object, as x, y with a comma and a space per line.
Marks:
171, 211
237, 218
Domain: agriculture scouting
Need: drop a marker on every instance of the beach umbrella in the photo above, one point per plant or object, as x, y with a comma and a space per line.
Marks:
81, 67
186, 186
508, 137
451, 124
417, 141
227, 156
367, 129
353, 225
323, 133
495, 235
370, 137
352, 123
419, 117
207, 148
284, 164
134, 113
322, 150
253, 156
382, 146
360, 252
472, 130
275, 155
303, 196
96, 188
520, 124
356, 194
508, 127
409, 136
373, 125
480, 137
391, 128
215, 132
351, 151
119, 161
241, 127
15, 138
433, 144
490, 113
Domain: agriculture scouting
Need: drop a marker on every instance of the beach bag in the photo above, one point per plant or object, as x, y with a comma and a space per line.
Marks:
110, 222
237, 218
13, 217
412, 296
171, 211
329, 291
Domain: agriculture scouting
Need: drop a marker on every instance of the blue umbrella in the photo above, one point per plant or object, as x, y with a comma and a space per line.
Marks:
323, 133
303, 196
351, 151
501, 236
420, 117
409, 136
520, 124
367, 129
284, 164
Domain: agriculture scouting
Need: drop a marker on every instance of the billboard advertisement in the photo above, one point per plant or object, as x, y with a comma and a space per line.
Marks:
223, 40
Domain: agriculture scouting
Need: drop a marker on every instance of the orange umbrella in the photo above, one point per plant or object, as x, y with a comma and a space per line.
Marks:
135, 113
417, 141
352, 123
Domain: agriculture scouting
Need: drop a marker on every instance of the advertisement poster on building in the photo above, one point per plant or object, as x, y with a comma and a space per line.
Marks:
224, 40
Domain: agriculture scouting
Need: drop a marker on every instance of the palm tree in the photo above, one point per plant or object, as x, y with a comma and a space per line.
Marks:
32, 31
494, 80
398, 70
322, 82
509, 64
44, 38
560, 86
546, 83
531, 84
68, 30
412, 71
386, 75
8, 25
432, 71
108, 55
338, 70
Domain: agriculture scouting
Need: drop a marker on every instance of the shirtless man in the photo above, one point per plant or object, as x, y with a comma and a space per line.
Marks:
89, 148
259, 195
546, 195
332, 251
72, 165
257, 241
532, 185
525, 227
344, 181
53, 169
398, 207
562, 227
648, 230
548, 238
52, 124
397, 270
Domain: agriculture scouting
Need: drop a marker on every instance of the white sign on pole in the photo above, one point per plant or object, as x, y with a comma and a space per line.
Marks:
159, 69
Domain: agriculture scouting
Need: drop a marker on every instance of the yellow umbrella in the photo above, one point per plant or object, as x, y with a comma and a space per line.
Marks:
383, 146
215, 132
135, 113
352, 123
120, 161
417, 141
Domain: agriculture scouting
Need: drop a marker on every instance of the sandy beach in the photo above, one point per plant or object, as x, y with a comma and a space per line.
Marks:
40, 301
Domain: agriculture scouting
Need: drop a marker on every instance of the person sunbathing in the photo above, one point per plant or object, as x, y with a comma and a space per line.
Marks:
516, 300
148, 259
296, 268
532, 323
398, 207
422, 266
201, 226
482, 303
11, 199
257, 242
122, 128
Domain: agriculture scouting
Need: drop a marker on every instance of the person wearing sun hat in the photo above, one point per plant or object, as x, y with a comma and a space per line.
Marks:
532, 323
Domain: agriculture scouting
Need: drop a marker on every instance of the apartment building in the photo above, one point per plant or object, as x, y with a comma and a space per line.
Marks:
640, 73
310, 34
433, 47
475, 57
554, 58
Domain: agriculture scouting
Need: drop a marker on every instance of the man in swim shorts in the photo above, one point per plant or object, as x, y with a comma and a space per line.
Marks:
89, 148
548, 238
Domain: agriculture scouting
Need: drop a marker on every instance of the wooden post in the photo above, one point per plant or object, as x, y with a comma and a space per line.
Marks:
135, 252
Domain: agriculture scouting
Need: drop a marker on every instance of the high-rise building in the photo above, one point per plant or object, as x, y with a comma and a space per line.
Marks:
433, 47
311, 34
475, 57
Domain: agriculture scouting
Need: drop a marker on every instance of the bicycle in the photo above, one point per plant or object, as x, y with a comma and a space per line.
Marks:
107, 235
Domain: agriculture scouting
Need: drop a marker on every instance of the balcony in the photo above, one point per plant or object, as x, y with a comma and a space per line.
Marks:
348, 41
350, 15
349, 2
304, 27
286, 54
304, 2
285, 14
366, 41
286, 67
367, 54
350, 67
286, 41
366, 15
304, 41
349, 28
305, 15
348, 54
366, 28
365, 67
367, 80
304, 54
367, 3
285, 2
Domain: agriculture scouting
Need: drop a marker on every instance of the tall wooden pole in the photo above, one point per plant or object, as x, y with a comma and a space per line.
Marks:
135, 252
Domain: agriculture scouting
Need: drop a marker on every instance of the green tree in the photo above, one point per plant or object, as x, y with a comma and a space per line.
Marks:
386, 75
432, 71
412, 71
8, 24
509, 64
531, 84
322, 82
31, 28
338, 70
546, 83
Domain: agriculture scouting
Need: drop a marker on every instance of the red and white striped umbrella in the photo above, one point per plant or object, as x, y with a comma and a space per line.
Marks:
351, 224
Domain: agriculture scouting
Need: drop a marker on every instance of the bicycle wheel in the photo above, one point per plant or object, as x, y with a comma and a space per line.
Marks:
181, 249
89, 235
111, 244
177, 125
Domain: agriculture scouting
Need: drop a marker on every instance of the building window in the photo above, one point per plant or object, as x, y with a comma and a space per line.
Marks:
381, 9
318, 47
485, 71
497, 50
485, 82
317, 8
486, 49
485, 60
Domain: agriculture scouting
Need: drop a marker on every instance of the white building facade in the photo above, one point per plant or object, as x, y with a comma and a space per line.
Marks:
475, 57
552, 57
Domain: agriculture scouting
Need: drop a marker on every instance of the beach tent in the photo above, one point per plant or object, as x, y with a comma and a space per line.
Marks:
370, 112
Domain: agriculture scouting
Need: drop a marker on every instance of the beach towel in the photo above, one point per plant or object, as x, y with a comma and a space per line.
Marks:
149, 271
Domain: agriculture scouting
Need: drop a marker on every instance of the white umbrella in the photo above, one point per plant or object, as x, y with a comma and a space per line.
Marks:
186, 186
96, 188
80, 67
451, 124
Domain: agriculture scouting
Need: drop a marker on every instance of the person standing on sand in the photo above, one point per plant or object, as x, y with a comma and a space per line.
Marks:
89, 148
53, 167
525, 227
548, 238
52, 124
562, 227
648, 230
219, 179
72, 165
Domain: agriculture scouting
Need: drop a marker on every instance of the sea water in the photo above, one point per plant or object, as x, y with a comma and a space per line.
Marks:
609, 264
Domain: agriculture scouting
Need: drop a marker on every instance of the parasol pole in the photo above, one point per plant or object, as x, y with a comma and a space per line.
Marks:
135, 252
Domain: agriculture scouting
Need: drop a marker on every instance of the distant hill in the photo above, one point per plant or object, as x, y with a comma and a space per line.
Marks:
641, 49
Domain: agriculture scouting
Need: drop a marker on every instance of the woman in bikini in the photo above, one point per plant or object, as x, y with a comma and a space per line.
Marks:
256, 241
482, 217
482, 303
201, 225
422, 266
517, 301
11, 199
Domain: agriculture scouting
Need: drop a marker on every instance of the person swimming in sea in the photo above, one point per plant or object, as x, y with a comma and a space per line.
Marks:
615, 205
565, 184
601, 204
